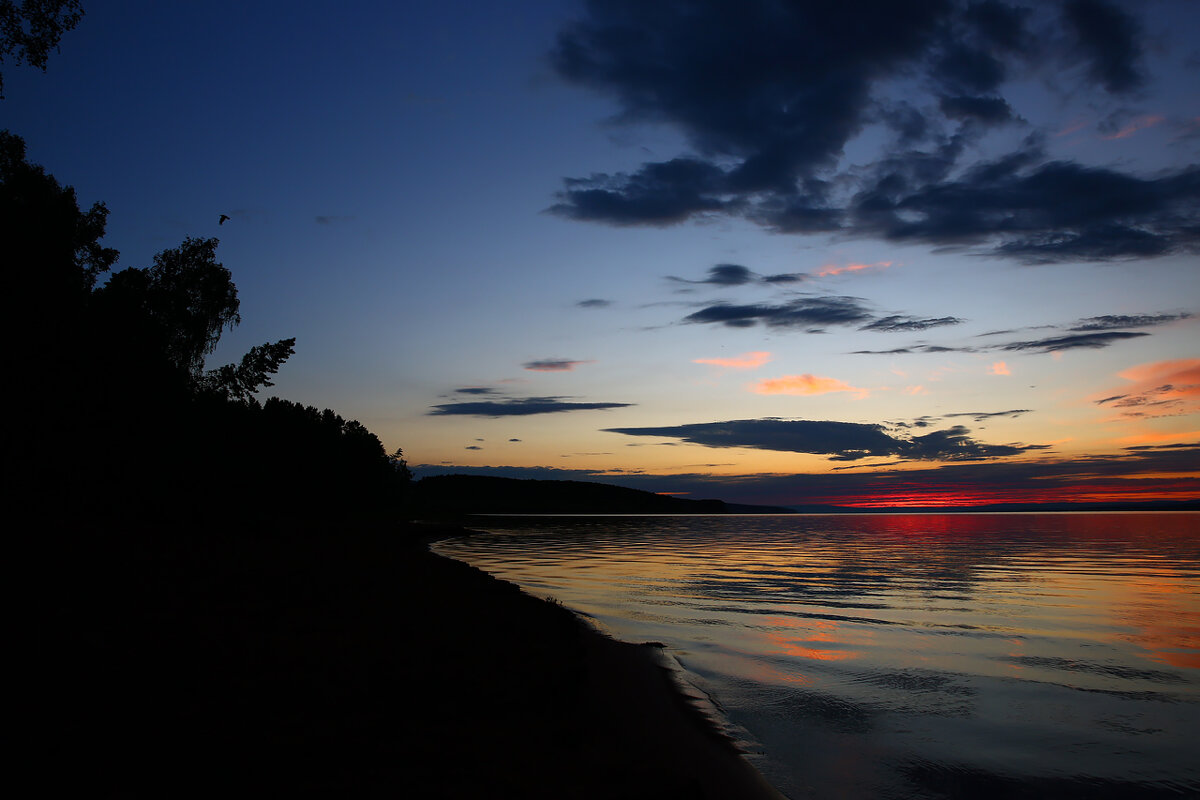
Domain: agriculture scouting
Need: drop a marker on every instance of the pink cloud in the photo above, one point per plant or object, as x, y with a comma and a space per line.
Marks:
1158, 389
1141, 123
999, 368
831, 269
744, 361
1073, 128
805, 385
915, 390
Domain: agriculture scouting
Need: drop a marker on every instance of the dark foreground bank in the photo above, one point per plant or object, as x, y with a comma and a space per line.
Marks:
339, 663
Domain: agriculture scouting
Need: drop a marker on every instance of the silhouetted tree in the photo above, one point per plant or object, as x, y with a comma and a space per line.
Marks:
239, 382
115, 410
52, 257
30, 29
50, 245
400, 466
185, 301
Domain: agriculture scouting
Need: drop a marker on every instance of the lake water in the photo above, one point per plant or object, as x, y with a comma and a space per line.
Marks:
905, 656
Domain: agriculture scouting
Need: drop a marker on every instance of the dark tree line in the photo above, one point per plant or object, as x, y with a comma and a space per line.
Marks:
114, 410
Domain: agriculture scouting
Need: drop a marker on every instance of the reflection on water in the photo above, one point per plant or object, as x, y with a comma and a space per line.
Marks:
897, 656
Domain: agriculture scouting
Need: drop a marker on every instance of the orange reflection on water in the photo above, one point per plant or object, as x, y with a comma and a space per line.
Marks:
815, 632
1163, 608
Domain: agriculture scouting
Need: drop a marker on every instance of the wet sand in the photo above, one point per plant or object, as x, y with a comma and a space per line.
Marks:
341, 663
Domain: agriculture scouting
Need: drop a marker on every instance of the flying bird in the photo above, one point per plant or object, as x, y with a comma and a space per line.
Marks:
221, 221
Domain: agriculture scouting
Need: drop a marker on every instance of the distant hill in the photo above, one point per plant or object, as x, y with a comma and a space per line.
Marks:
484, 494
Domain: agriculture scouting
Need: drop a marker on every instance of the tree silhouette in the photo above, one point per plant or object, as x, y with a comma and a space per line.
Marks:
115, 412
239, 382
184, 302
30, 29
44, 236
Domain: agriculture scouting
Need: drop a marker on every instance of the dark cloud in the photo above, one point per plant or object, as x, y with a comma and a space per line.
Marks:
1110, 322
1109, 39
737, 275
990, 110
594, 302
1082, 341
1175, 395
514, 440
916, 348
475, 390
658, 194
1044, 213
841, 441
518, 407
768, 122
954, 444
999, 25
1180, 446
1094, 340
724, 275
553, 365
1157, 396
967, 69
808, 313
784, 100
900, 323
919, 422
473, 447
983, 416
325, 219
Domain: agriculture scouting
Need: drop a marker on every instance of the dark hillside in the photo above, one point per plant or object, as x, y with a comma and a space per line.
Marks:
482, 494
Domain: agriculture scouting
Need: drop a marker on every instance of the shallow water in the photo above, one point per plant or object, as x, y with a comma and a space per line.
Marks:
906, 656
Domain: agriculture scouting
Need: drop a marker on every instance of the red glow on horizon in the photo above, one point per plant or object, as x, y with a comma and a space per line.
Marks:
961, 497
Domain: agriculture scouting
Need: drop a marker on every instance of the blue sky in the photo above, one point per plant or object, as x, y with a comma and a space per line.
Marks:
961, 238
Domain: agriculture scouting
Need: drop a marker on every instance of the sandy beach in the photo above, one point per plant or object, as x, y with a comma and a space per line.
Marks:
351, 662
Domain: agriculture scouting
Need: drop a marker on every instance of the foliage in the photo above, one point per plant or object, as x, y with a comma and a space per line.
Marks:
186, 301
116, 411
239, 382
52, 245
30, 29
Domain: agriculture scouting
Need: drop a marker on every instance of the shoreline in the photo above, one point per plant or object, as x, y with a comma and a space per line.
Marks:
345, 660
672, 731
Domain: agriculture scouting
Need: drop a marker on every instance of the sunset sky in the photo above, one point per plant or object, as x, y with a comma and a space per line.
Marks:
864, 253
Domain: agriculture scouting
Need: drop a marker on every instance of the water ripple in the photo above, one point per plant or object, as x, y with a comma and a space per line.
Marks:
949, 656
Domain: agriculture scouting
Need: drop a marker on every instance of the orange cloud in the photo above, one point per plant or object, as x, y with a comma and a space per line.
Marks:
915, 390
805, 385
1159, 438
999, 368
1184, 371
830, 269
1141, 123
744, 361
1159, 389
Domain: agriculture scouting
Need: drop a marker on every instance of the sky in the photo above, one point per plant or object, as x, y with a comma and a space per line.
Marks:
889, 252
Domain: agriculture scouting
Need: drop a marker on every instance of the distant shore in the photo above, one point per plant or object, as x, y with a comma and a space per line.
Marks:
344, 662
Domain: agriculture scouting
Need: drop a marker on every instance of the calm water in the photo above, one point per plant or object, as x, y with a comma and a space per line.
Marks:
906, 656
